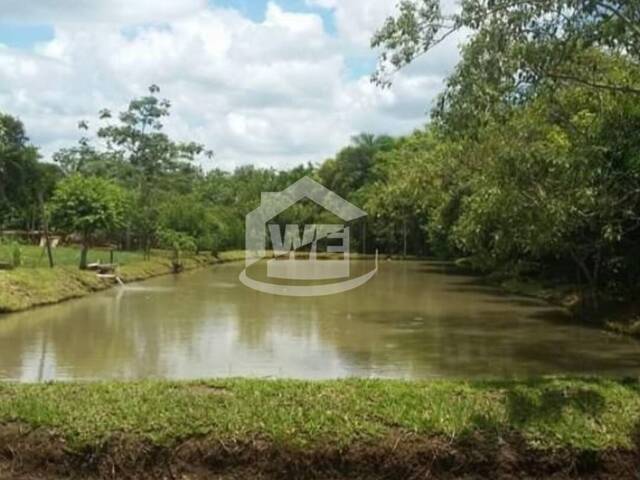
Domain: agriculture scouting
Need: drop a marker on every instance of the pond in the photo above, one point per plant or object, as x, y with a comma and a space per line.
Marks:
412, 320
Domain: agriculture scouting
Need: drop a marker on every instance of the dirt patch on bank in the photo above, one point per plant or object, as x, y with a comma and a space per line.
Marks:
39, 454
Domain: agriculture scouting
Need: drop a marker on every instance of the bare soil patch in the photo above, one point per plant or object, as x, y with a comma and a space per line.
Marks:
39, 454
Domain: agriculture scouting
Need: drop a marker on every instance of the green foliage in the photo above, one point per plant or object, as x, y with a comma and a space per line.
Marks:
558, 181
188, 215
527, 40
141, 158
513, 48
533, 155
353, 166
22, 178
87, 205
395, 198
562, 188
137, 140
178, 243
163, 191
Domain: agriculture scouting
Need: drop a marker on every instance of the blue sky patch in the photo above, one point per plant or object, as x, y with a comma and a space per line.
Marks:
255, 9
24, 35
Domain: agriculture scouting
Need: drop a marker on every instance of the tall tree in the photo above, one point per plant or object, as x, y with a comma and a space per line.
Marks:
140, 156
353, 166
18, 167
86, 206
513, 46
532, 38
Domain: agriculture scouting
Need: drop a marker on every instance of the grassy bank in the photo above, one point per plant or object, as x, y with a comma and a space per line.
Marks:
33, 285
32, 256
231, 422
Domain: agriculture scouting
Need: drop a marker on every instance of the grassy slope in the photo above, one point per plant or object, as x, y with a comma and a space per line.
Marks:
34, 284
35, 257
589, 414
24, 288
28, 287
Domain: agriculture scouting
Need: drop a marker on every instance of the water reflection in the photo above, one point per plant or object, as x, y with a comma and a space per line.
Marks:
414, 320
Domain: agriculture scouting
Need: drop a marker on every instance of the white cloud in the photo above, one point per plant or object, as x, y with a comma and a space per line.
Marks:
358, 20
274, 93
98, 11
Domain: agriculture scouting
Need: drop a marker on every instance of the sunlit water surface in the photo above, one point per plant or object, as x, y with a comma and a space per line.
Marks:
413, 320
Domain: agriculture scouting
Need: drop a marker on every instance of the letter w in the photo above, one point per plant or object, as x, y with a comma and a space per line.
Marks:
292, 240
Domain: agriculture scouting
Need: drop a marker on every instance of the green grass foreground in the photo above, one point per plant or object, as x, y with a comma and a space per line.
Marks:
585, 414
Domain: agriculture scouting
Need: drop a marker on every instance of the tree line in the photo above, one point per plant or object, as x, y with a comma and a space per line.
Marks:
530, 161
128, 184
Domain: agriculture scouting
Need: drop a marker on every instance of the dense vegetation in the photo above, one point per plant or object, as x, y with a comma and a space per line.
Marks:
140, 189
530, 163
529, 166
532, 160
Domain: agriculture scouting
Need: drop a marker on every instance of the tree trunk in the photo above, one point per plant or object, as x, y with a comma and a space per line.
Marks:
404, 238
83, 255
45, 228
590, 302
47, 242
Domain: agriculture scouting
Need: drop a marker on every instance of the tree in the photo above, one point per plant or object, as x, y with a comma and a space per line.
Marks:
137, 138
188, 215
564, 181
86, 206
531, 38
514, 46
141, 158
353, 165
18, 167
178, 243
396, 196
534, 155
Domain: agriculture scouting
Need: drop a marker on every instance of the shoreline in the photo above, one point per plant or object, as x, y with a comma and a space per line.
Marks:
29, 288
565, 427
26, 454
620, 318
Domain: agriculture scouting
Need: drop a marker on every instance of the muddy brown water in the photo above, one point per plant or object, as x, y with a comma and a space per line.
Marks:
413, 320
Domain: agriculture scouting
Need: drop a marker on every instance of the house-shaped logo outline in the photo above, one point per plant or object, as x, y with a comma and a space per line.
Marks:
274, 203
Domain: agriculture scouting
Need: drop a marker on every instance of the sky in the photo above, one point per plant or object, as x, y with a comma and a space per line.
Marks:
274, 83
